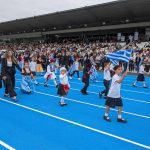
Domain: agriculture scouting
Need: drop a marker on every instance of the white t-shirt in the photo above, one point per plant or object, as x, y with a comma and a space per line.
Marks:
111, 67
64, 79
114, 91
76, 65
33, 66
107, 75
141, 70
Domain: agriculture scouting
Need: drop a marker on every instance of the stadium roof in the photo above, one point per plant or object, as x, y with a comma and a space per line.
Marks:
117, 12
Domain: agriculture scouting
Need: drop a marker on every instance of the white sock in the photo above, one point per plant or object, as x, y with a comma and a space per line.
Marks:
55, 82
35, 82
119, 116
135, 83
106, 114
62, 100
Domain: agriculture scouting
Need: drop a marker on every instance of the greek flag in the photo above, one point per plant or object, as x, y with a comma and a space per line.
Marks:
114, 62
121, 55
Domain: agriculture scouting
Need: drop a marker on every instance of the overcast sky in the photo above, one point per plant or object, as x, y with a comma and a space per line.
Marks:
16, 9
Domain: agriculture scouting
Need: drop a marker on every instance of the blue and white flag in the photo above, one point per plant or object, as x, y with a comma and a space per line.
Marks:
121, 55
114, 62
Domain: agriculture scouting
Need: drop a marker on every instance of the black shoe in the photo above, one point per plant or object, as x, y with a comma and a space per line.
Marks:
63, 104
121, 120
83, 92
57, 86
45, 85
134, 85
86, 93
145, 87
100, 95
6, 95
106, 118
29, 92
105, 97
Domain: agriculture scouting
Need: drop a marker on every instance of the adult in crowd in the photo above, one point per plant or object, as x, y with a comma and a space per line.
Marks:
8, 72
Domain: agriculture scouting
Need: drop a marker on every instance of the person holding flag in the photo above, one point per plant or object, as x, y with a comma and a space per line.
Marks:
114, 98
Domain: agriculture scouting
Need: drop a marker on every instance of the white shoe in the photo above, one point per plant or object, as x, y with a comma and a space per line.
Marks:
70, 77
79, 78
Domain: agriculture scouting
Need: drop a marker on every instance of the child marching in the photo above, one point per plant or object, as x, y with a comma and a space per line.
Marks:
106, 81
50, 73
93, 73
75, 69
86, 76
26, 84
141, 77
33, 65
64, 85
114, 98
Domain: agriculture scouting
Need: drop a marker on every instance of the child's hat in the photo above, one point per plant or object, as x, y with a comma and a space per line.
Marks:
62, 69
52, 60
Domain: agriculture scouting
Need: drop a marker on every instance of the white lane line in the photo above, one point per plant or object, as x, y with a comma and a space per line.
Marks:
80, 125
90, 104
6, 145
122, 84
130, 99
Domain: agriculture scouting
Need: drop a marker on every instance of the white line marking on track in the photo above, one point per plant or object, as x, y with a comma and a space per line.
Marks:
77, 101
6, 145
80, 125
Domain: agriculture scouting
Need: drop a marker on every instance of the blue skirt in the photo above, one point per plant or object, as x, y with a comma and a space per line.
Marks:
27, 85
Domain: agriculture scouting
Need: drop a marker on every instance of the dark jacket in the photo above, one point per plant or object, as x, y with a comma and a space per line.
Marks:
86, 71
5, 70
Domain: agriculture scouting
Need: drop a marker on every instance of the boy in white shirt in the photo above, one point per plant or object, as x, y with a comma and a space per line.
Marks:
106, 81
140, 76
114, 98
33, 69
75, 68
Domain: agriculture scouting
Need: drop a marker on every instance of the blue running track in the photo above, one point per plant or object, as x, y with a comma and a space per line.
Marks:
37, 122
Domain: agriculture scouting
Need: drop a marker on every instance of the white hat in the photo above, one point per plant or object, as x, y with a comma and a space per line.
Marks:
62, 69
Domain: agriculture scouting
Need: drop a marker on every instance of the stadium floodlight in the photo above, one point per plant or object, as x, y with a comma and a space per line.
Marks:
33, 30
69, 27
85, 25
54, 28
127, 20
43, 29
103, 23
